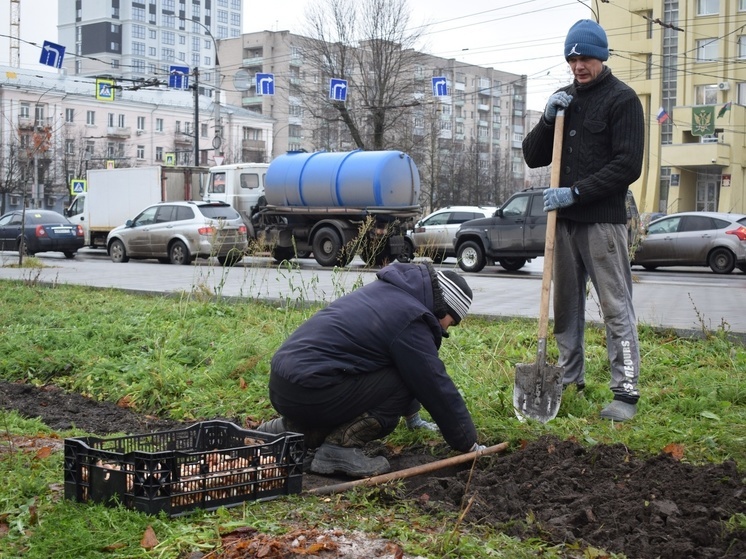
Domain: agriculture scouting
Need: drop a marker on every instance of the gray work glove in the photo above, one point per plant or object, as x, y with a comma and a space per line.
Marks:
555, 198
476, 446
416, 422
559, 100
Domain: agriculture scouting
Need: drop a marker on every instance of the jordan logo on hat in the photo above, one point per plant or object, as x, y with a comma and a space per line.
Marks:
573, 51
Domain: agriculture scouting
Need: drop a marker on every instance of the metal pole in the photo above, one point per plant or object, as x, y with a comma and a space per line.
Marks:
196, 117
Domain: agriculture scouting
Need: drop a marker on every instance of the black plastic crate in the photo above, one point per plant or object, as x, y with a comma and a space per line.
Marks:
207, 465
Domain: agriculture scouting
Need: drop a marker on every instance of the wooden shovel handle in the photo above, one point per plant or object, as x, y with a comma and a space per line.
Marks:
409, 472
546, 277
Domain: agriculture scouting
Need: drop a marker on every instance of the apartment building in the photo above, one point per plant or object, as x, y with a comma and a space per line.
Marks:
53, 129
143, 39
483, 110
687, 62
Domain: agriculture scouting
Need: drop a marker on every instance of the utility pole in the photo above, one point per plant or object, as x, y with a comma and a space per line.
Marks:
195, 85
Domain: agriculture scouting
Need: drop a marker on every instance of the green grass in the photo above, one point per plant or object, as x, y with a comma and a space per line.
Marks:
193, 357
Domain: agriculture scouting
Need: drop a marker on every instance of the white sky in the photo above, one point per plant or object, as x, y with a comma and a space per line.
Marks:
518, 36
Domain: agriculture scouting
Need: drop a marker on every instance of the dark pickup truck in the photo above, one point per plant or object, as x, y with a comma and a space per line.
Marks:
515, 234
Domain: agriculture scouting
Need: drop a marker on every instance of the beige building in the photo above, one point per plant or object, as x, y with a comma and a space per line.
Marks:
687, 57
53, 129
483, 111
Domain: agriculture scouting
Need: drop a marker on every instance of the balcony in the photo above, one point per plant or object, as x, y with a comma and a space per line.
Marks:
118, 131
183, 138
483, 107
255, 100
253, 61
25, 122
296, 60
696, 154
253, 145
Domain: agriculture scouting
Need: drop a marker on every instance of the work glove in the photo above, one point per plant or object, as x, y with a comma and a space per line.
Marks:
476, 446
416, 422
559, 100
555, 198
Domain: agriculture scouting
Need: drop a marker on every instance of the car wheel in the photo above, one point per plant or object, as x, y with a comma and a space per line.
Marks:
407, 253
68, 254
721, 261
512, 264
649, 267
26, 251
117, 252
327, 247
471, 257
179, 254
164, 260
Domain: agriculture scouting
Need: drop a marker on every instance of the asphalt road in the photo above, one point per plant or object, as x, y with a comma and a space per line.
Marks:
688, 300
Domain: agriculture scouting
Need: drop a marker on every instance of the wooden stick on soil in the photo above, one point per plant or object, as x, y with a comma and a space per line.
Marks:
409, 472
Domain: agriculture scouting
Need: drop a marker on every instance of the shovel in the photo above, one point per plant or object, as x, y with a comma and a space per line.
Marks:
538, 386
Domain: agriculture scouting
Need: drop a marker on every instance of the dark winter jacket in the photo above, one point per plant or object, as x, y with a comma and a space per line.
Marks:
391, 322
602, 148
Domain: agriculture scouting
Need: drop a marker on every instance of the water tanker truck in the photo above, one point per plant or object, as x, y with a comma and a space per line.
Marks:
336, 205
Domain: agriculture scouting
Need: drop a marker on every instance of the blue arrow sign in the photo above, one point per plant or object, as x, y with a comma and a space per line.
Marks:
265, 84
178, 77
440, 87
337, 89
52, 55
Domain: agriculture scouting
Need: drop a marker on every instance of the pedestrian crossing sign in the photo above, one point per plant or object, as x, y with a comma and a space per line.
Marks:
169, 159
78, 186
104, 89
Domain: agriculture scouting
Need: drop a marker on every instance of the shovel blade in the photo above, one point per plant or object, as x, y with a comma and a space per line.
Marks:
538, 391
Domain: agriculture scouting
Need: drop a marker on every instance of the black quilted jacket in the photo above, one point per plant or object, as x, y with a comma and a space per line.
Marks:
602, 148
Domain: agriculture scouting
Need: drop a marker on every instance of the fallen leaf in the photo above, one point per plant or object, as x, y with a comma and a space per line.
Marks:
43, 452
114, 546
674, 450
149, 539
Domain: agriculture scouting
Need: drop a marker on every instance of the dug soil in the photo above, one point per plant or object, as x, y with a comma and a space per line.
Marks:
589, 498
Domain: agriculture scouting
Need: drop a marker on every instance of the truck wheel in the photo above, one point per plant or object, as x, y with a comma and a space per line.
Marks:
471, 257
117, 252
179, 253
69, 254
327, 247
407, 254
512, 264
281, 254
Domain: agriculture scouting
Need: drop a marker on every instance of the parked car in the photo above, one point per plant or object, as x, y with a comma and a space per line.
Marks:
45, 231
516, 233
713, 239
179, 232
433, 235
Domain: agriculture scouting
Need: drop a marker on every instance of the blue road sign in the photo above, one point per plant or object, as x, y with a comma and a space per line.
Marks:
440, 86
178, 77
52, 54
265, 84
337, 89
78, 186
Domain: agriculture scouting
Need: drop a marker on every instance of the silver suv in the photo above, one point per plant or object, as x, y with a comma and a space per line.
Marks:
433, 235
179, 232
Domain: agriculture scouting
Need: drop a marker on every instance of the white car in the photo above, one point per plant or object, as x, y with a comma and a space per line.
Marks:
433, 235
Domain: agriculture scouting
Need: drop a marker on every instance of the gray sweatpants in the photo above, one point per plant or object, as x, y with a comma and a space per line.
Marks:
597, 251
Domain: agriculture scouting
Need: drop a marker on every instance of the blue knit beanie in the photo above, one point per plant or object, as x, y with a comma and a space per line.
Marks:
587, 38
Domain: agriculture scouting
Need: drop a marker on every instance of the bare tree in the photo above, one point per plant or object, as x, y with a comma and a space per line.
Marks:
369, 44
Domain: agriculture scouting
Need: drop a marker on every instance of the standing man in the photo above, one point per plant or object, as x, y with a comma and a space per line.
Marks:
602, 153
348, 374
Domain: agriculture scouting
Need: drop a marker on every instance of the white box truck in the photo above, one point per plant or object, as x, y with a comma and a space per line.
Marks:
115, 195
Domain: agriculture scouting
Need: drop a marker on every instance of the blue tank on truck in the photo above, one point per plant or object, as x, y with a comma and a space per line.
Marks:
343, 179
339, 204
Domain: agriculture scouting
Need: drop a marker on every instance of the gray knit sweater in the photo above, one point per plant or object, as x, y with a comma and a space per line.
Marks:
602, 151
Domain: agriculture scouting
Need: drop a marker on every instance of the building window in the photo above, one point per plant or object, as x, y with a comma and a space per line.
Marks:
159, 154
706, 94
141, 123
236, 19
24, 110
138, 14
203, 130
742, 5
168, 21
69, 115
742, 46
138, 31
707, 50
169, 5
110, 120
195, 43
177, 127
152, 51
138, 48
90, 118
222, 16
159, 125
138, 66
195, 60
167, 55
708, 7
69, 147
110, 149
168, 38
141, 152
152, 34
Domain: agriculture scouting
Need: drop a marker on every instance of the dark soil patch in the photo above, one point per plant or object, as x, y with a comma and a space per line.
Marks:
603, 496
